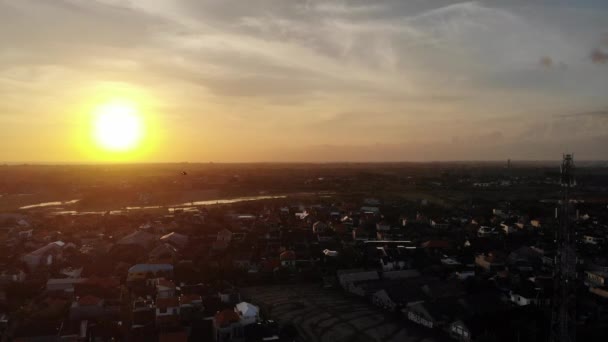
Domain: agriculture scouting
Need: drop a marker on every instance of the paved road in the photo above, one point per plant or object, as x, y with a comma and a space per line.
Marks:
327, 315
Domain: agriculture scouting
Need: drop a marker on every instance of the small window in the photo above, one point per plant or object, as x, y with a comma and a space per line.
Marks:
162, 310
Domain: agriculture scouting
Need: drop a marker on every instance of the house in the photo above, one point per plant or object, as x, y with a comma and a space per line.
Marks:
44, 256
25, 234
227, 327
499, 212
148, 271
431, 314
167, 311
464, 274
523, 296
229, 295
596, 278
3, 323
164, 288
72, 272
442, 312
320, 227
63, 284
485, 231
490, 262
350, 221
470, 326
138, 238
348, 278
508, 228
361, 234
224, 235
440, 224
370, 210
395, 295
592, 239
15, 275
383, 226
23, 223
460, 330
141, 304
288, 259
190, 303
434, 246
175, 239
371, 201
104, 287
164, 252
248, 313
390, 263
330, 253
525, 256
87, 307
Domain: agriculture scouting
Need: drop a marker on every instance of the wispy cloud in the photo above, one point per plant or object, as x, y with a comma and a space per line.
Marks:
598, 56
396, 72
597, 113
546, 61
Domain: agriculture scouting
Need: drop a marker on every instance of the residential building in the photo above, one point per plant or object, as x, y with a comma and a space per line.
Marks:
227, 327
167, 311
149, 271
248, 313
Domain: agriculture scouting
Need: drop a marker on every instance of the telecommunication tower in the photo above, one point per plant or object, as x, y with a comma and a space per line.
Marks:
563, 318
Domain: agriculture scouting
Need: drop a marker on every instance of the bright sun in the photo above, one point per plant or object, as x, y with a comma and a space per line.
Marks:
117, 126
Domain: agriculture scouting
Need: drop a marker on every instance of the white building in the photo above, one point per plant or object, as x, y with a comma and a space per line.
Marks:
44, 256
347, 278
248, 313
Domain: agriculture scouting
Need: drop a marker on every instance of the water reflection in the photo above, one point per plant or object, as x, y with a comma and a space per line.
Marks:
49, 204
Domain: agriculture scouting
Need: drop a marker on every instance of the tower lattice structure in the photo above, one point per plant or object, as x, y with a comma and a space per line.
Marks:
563, 317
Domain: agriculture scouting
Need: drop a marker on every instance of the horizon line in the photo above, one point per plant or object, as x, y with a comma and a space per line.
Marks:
60, 163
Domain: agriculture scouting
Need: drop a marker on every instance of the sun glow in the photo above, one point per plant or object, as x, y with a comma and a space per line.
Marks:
118, 126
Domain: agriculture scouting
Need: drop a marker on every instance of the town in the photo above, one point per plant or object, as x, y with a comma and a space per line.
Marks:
297, 252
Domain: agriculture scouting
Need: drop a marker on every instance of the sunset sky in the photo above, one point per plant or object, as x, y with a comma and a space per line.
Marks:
281, 80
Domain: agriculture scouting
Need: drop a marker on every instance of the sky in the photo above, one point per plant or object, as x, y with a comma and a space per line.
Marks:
307, 80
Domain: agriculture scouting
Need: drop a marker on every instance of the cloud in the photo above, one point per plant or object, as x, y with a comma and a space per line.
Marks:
597, 113
546, 61
396, 72
598, 56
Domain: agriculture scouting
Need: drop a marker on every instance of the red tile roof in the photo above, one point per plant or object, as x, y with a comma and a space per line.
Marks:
188, 299
167, 302
288, 255
89, 300
166, 283
226, 317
